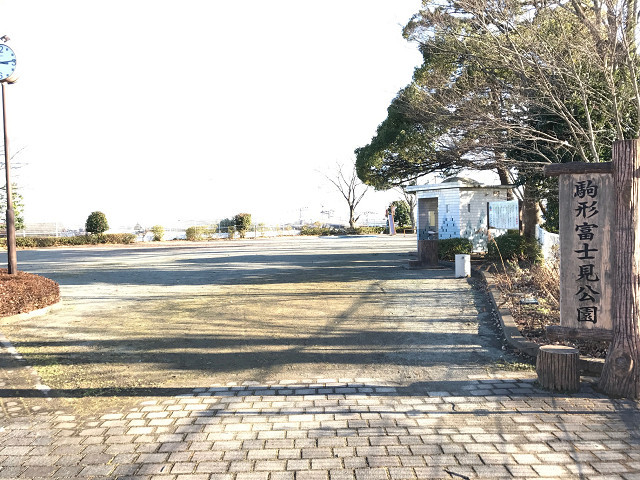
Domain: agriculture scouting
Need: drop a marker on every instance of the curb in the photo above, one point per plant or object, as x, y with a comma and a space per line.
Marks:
11, 350
512, 335
34, 313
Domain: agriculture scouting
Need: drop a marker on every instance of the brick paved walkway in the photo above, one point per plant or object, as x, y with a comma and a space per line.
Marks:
489, 427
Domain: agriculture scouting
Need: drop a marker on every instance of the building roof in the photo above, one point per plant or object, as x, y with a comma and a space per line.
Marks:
469, 181
455, 182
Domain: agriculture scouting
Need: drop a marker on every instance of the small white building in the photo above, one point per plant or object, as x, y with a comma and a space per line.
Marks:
457, 208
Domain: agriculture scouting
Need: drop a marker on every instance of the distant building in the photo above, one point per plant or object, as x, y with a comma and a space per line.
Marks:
457, 208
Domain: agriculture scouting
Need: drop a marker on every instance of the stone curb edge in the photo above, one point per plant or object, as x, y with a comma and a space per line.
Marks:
588, 366
11, 350
34, 313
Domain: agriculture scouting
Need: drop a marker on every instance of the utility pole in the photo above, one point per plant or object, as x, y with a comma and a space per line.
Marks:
11, 223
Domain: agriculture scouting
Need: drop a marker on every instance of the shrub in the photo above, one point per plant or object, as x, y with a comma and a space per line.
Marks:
124, 238
96, 223
312, 230
43, 242
513, 246
24, 242
195, 234
46, 242
450, 247
369, 230
158, 233
401, 216
242, 222
324, 231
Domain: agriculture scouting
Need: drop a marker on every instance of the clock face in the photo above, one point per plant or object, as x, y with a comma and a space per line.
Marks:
7, 62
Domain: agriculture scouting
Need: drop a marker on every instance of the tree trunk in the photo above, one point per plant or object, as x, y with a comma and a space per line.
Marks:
557, 368
505, 179
621, 371
530, 214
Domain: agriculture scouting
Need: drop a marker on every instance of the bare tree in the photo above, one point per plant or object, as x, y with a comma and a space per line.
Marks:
351, 188
556, 77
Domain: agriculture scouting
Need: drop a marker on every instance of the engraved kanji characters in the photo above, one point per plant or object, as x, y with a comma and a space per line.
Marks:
587, 276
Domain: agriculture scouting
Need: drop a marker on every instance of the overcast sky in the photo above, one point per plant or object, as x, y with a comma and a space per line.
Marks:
159, 111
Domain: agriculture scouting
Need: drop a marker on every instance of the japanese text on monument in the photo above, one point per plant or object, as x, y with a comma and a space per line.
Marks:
588, 292
585, 252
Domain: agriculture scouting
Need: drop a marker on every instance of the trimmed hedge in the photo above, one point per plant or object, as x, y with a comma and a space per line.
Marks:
96, 223
325, 231
513, 246
450, 247
369, 230
43, 242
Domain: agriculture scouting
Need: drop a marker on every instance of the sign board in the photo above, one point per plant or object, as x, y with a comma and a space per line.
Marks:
586, 215
504, 215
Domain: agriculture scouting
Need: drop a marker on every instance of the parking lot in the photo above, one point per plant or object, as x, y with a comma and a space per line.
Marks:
310, 358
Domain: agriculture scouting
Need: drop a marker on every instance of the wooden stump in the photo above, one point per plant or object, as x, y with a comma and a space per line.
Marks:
428, 252
557, 368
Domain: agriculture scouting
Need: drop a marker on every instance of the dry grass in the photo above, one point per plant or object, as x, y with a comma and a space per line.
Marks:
519, 282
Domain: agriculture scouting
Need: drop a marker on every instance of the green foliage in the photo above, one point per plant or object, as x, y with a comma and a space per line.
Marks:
242, 222
195, 234
199, 233
513, 246
96, 223
511, 84
450, 247
402, 148
402, 216
18, 208
225, 222
552, 214
43, 242
314, 230
369, 230
158, 233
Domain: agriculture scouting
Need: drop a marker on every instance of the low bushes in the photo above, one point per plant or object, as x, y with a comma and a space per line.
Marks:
450, 247
325, 231
199, 233
42, 242
369, 230
158, 233
513, 246
195, 234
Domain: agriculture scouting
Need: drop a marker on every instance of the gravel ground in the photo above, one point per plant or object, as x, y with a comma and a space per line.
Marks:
142, 318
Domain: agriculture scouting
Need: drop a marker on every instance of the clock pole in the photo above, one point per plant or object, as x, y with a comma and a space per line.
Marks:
11, 224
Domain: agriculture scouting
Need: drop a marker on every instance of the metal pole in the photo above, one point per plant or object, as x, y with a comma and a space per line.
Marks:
11, 224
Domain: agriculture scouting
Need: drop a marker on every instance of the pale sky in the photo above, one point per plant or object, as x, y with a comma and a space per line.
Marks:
157, 111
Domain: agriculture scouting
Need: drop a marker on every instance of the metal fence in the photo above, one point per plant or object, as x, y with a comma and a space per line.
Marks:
217, 232
55, 229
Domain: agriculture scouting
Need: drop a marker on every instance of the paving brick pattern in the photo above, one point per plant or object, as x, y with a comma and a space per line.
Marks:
328, 429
